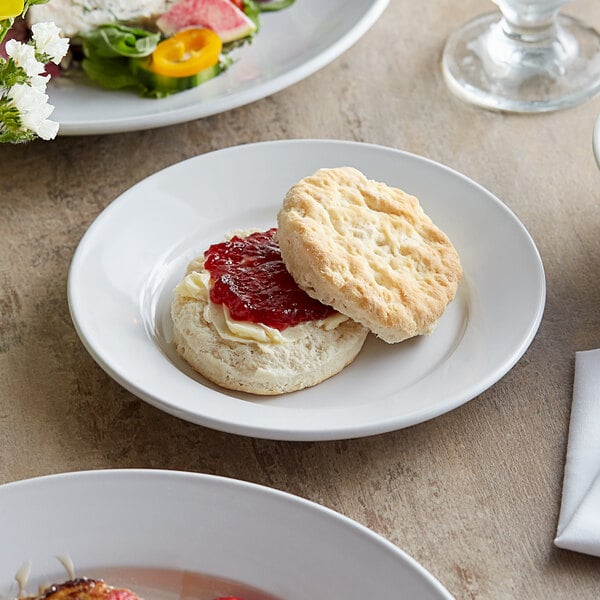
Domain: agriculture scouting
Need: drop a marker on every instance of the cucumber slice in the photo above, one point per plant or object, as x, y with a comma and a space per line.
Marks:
158, 86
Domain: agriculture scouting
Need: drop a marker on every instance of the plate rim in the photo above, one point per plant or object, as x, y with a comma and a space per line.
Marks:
596, 140
135, 475
195, 111
312, 433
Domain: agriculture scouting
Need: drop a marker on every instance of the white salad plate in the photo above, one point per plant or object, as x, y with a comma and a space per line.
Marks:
126, 520
127, 264
292, 44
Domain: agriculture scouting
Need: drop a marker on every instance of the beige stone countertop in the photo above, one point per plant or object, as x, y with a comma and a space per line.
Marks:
474, 494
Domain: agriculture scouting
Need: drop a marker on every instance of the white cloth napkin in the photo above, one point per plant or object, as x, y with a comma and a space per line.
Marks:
579, 520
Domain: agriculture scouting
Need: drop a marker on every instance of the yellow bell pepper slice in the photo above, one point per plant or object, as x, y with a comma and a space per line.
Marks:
186, 53
10, 8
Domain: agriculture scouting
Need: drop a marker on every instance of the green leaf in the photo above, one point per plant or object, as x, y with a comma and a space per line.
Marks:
110, 73
11, 127
253, 13
10, 74
5, 25
111, 41
29, 3
270, 5
16, 137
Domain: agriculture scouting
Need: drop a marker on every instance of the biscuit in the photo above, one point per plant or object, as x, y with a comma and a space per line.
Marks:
312, 353
369, 251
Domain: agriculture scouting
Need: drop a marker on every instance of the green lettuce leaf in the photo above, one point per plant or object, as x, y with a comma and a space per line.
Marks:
111, 41
267, 5
110, 73
253, 13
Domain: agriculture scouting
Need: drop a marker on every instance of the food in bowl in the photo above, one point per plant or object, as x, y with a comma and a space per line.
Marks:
83, 588
148, 584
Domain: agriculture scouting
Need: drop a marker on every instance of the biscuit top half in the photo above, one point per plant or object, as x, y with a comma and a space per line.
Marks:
369, 251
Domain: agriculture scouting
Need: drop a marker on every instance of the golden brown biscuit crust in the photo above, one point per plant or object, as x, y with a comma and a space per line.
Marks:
369, 251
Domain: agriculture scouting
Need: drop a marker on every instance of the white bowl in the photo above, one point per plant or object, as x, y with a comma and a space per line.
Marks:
273, 541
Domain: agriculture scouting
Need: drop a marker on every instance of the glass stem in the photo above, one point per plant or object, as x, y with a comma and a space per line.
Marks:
529, 26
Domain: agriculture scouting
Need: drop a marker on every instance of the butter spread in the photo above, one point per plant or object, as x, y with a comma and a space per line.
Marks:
196, 285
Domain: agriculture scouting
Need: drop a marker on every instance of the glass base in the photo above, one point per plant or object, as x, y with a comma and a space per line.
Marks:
485, 66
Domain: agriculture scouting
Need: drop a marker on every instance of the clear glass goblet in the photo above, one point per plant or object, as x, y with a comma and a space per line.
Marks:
526, 58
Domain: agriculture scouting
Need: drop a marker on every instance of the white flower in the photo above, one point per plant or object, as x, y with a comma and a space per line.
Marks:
32, 104
39, 81
47, 129
47, 40
24, 57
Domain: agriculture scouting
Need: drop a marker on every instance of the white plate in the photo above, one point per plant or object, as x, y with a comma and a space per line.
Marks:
291, 45
596, 141
270, 540
133, 255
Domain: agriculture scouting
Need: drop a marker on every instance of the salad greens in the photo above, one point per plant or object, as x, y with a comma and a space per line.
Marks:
253, 10
117, 56
266, 5
107, 51
110, 41
111, 74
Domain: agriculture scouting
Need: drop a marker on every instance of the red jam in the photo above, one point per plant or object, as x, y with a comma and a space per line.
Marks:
249, 277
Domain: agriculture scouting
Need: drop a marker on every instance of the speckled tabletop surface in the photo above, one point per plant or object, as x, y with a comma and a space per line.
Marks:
474, 494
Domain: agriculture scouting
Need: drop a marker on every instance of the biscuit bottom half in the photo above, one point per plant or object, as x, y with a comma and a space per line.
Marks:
262, 368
